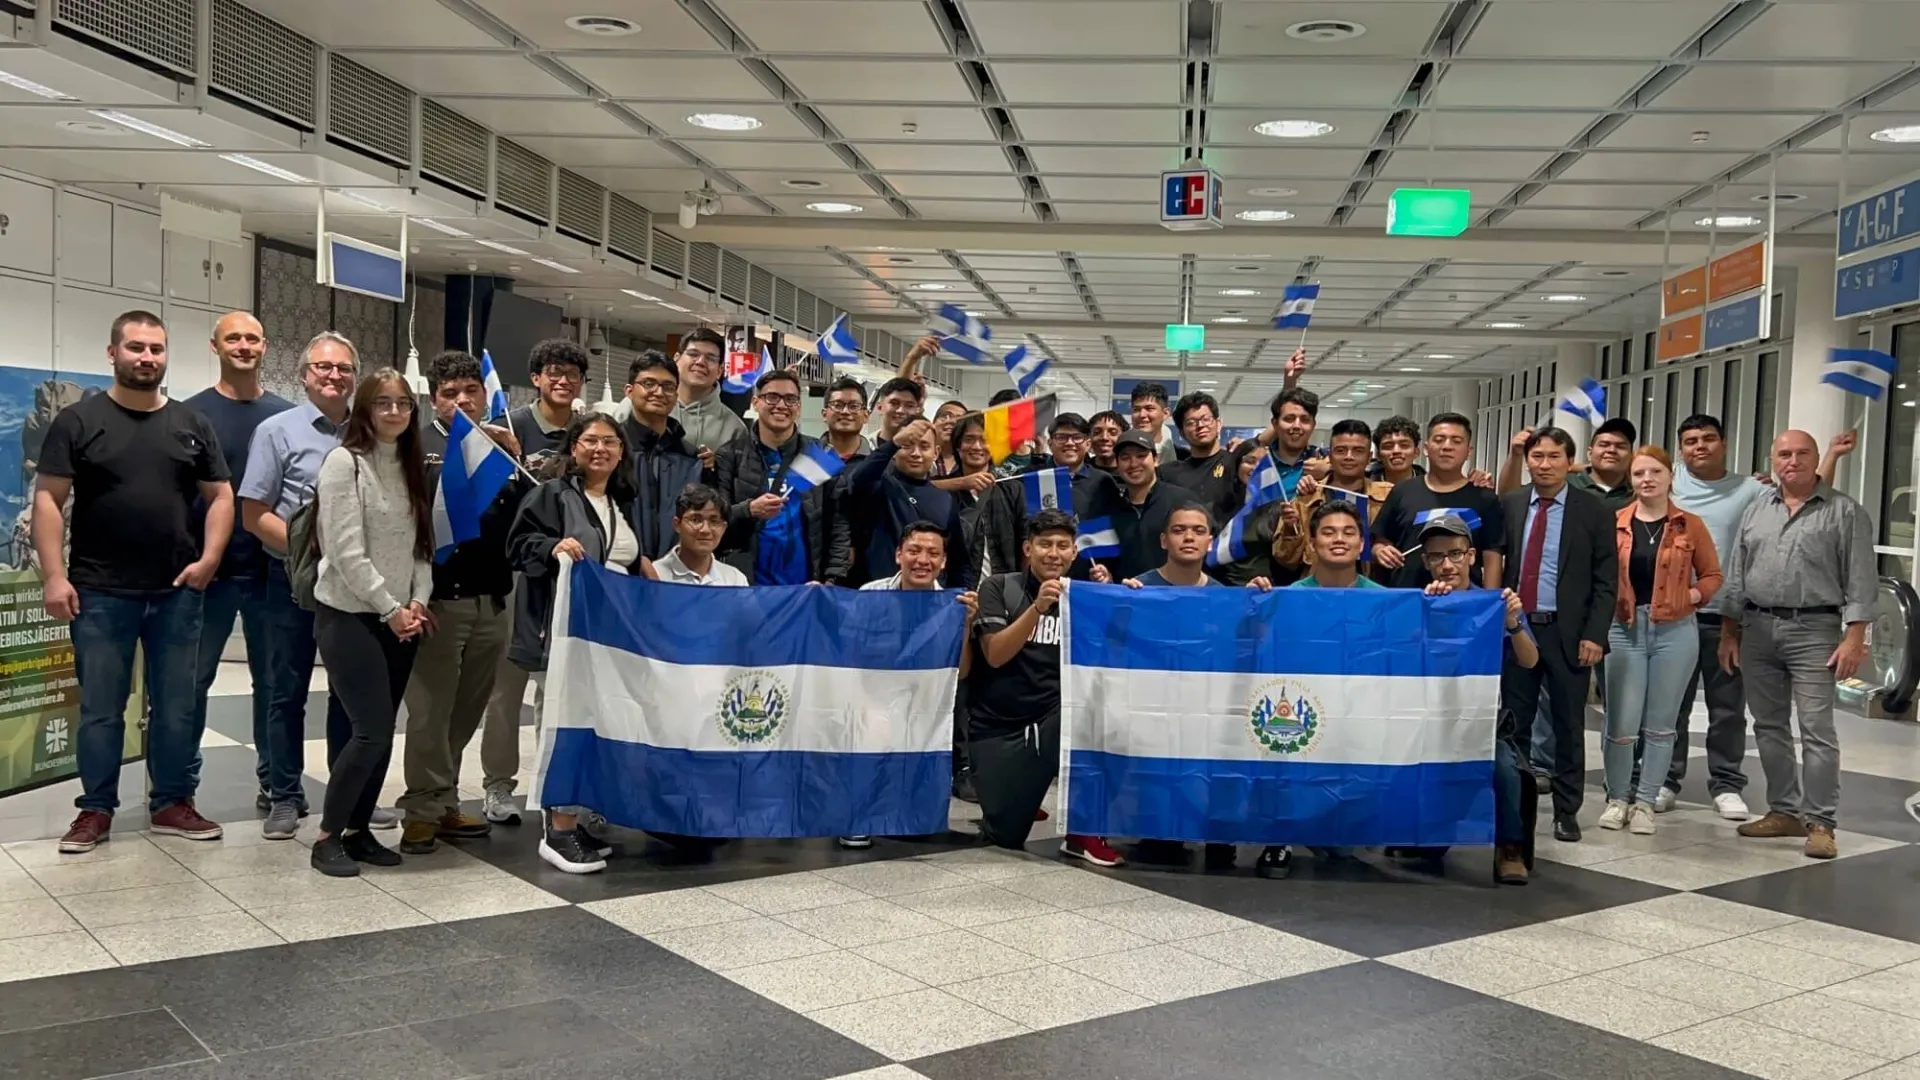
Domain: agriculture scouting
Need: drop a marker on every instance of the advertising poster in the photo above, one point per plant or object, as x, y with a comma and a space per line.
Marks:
39, 695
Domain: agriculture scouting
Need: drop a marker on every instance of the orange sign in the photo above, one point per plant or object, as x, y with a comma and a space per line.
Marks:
1741, 270
1678, 339
1685, 291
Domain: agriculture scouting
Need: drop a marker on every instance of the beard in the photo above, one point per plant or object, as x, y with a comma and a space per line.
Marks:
133, 377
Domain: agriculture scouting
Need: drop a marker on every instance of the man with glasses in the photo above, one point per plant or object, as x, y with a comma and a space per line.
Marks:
845, 413
773, 536
559, 370
708, 422
664, 461
283, 465
1206, 468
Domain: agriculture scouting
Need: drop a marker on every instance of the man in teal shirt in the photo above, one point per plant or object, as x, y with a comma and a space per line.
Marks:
1338, 537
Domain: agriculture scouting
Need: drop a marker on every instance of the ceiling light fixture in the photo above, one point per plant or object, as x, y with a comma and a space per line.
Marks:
835, 207
1221, 352
1247, 268
1293, 129
720, 121
498, 246
901, 260
1728, 221
1215, 363
1615, 273
1265, 215
675, 307
1273, 192
804, 185
94, 128
932, 286
1904, 133
440, 227
1506, 326
1778, 197
34, 88
268, 168
1414, 369
603, 25
551, 265
1441, 356
1326, 31
1239, 292
638, 295
1563, 298
1230, 319
114, 116
354, 196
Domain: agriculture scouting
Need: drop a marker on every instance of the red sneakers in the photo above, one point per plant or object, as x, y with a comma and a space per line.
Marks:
87, 832
1041, 814
1091, 849
181, 819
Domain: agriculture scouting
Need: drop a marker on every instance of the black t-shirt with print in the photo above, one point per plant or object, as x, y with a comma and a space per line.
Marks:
135, 478
1413, 503
1026, 690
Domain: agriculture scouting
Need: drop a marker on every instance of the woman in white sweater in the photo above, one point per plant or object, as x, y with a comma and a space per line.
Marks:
376, 543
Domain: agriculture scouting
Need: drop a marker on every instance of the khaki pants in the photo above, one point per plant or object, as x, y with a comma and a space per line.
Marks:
500, 739
453, 678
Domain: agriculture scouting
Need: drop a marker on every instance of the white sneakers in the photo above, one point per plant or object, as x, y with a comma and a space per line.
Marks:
1731, 806
1664, 801
1615, 815
1640, 820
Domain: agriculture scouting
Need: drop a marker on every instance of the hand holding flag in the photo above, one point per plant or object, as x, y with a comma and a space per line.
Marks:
1296, 307
1097, 539
1048, 489
963, 335
814, 466
838, 345
472, 475
1864, 372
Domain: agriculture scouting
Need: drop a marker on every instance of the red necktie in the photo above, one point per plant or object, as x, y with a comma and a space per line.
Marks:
1530, 561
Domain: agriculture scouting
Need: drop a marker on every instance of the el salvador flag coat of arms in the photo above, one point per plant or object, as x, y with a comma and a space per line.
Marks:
781, 712
1300, 716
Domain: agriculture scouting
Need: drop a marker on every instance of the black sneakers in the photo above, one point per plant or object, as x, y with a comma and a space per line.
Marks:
564, 851
1275, 862
362, 847
330, 858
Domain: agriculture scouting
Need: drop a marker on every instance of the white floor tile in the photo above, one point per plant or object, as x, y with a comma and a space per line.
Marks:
1046, 997
1633, 926
1268, 953
973, 905
992, 864
948, 957
884, 1072
893, 877
782, 893
363, 914
291, 887
1594, 1001
1776, 963
1844, 1023
1076, 889
51, 954
1842, 943
128, 843
141, 943
678, 909
32, 917
151, 903
17, 885
1896, 990
1564, 947
1899, 1070
1681, 869
1476, 967
1714, 989
443, 866
866, 922
1163, 918
477, 899
1062, 936
740, 943
1162, 973
154, 868
917, 1024
213, 862
1713, 913
1766, 1052
823, 980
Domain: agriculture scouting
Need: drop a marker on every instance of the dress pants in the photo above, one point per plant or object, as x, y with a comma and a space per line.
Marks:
1566, 687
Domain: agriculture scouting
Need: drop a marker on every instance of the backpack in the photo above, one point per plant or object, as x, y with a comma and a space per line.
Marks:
303, 546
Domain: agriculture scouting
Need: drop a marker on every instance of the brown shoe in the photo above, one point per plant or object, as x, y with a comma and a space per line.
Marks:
418, 837
88, 831
1509, 865
458, 826
1820, 843
1774, 824
181, 819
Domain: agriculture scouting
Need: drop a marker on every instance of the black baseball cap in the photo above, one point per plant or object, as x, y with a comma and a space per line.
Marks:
1071, 421
1620, 426
1138, 438
1446, 525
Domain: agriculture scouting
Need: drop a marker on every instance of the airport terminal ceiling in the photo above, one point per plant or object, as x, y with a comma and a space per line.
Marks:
886, 156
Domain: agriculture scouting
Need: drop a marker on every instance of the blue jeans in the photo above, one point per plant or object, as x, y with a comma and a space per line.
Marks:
290, 680
1507, 827
227, 599
1648, 668
166, 628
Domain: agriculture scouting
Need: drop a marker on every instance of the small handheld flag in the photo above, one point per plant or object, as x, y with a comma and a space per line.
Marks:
815, 465
838, 345
1587, 401
1097, 539
1296, 307
1269, 484
490, 382
1865, 372
963, 335
1025, 370
1010, 426
743, 379
472, 474
1048, 489
1231, 545
1359, 504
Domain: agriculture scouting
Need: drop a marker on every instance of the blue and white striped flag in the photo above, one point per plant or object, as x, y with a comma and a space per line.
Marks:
1025, 369
1296, 307
963, 335
1588, 401
471, 476
1359, 503
1865, 372
1230, 544
1270, 483
772, 721
1336, 717
743, 382
490, 382
812, 468
1048, 489
838, 345
1097, 539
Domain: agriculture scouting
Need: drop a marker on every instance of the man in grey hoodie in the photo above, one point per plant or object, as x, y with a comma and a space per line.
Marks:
708, 422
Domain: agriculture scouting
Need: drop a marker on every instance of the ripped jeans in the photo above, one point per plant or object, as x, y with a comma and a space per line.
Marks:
1648, 667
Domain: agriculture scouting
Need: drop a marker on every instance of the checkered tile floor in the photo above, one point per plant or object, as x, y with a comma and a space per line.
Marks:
1691, 953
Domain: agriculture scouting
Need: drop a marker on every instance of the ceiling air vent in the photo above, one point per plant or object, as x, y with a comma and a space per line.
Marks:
580, 200
453, 149
523, 180
1325, 31
157, 30
703, 266
369, 112
760, 291
261, 63
783, 299
669, 254
733, 278
627, 226
804, 315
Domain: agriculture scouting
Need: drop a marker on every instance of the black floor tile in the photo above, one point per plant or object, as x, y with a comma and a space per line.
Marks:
1873, 805
389, 1054
1872, 892
87, 1048
512, 1038
389, 952
535, 932
208, 981
1482, 1041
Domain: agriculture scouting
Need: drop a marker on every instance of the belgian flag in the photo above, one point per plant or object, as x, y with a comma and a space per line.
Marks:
1013, 425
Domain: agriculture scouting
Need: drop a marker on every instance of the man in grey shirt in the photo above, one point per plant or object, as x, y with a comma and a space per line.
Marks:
710, 425
1798, 599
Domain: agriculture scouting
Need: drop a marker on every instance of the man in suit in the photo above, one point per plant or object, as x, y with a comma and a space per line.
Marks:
1564, 566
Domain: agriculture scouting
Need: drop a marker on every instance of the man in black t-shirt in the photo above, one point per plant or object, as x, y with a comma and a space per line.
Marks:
1207, 468
134, 463
1445, 489
558, 368
1014, 692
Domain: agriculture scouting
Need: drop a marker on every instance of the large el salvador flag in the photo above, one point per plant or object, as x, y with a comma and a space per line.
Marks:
781, 711
1301, 716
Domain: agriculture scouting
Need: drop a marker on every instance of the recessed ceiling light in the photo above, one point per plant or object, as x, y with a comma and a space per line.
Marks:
145, 128
1215, 363
440, 227
268, 168
932, 286
900, 260
720, 121
551, 265
370, 203
676, 307
1239, 292
1615, 273
498, 246
603, 25
1729, 221
1563, 298
1247, 268
1326, 31
1506, 326
1778, 197
94, 128
1293, 129
1409, 369
835, 207
1230, 319
34, 88
1273, 192
638, 295
1265, 215
1441, 356
1221, 352
804, 185
1905, 133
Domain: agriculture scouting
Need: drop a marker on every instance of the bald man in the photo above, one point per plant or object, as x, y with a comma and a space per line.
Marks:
1797, 602
235, 406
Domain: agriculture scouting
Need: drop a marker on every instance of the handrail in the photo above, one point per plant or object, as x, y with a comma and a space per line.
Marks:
1900, 689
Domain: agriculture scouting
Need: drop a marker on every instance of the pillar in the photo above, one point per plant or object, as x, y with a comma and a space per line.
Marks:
1574, 361
1466, 399
1812, 406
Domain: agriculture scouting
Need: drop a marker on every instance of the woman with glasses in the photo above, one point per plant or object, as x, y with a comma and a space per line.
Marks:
375, 579
1668, 570
584, 515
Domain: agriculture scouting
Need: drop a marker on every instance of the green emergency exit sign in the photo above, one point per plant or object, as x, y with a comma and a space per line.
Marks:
1427, 212
1186, 337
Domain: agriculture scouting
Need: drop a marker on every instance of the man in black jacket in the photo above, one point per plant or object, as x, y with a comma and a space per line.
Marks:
664, 463
447, 695
1139, 514
881, 495
772, 536
1563, 563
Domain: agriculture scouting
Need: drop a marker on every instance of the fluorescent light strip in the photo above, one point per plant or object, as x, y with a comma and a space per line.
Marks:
269, 169
498, 246
440, 227
7, 78
354, 196
144, 128
551, 265
637, 295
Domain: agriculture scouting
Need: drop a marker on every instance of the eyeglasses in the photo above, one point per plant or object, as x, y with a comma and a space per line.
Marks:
1437, 558
322, 367
702, 357
790, 401
1070, 439
598, 442
388, 404
563, 376
657, 386
842, 406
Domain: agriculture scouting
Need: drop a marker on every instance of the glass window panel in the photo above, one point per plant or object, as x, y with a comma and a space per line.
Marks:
1896, 485
1766, 372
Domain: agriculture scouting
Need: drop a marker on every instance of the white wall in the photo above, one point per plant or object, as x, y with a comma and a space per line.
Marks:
71, 260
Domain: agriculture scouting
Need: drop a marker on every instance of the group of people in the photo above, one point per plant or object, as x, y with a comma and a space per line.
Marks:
311, 524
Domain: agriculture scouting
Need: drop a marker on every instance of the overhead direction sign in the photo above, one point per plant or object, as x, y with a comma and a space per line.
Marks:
1878, 251
1428, 211
1186, 337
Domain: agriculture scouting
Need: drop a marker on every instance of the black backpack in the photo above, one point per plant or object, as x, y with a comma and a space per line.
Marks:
303, 545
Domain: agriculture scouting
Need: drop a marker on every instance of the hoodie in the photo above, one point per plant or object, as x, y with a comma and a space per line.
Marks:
663, 466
